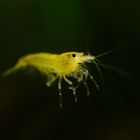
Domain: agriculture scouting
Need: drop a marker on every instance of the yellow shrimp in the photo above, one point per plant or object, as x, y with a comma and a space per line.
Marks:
58, 66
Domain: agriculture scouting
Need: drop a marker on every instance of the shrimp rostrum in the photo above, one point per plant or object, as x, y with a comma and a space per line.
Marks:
58, 66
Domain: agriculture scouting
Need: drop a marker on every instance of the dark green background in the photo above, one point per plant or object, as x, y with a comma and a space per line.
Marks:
29, 110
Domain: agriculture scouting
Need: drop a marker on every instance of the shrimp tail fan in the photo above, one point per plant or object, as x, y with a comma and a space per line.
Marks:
9, 71
13, 69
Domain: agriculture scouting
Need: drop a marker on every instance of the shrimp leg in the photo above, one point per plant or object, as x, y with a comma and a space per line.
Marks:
86, 72
51, 78
60, 91
71, 87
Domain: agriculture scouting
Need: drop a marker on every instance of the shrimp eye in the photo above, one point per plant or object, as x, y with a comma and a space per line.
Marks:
73, 55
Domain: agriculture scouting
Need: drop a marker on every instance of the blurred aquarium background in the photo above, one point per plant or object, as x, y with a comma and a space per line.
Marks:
30, 111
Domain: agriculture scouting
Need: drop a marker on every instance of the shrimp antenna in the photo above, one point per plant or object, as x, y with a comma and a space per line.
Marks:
109, 73
108, 52
98, 68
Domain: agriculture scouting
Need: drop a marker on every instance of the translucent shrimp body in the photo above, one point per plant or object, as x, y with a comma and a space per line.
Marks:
58, 66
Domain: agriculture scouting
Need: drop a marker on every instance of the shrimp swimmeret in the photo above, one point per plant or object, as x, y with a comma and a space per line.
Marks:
58, 66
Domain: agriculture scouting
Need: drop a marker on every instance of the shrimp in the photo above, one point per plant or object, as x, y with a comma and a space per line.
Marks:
58, 67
